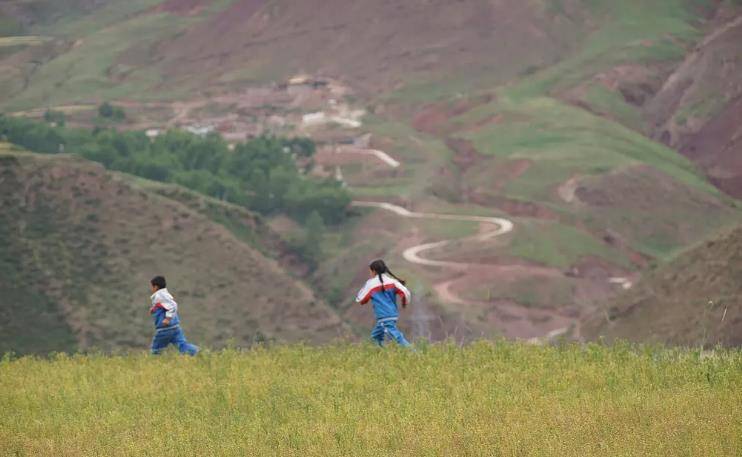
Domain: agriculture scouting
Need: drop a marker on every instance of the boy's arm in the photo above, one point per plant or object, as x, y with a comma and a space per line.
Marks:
169, 308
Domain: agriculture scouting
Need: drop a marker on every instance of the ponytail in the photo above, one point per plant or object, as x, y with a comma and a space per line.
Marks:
404, 283
379, 267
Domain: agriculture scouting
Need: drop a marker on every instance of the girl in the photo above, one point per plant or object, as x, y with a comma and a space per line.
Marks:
382, 289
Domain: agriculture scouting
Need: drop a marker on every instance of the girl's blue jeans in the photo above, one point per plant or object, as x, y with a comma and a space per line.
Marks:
387, 328
172, 335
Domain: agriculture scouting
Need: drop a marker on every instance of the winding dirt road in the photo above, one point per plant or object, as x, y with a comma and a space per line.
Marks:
381, 155
412, 254
513, 320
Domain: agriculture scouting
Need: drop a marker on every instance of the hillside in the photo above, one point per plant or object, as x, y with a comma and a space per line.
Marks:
178, 47
79, 245
698, 109
693, 300
605, 132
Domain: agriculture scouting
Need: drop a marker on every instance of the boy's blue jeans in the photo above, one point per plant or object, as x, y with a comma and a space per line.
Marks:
388, 328
172, 335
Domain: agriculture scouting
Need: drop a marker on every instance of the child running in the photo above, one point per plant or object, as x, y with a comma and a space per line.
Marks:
382, 289
164, 311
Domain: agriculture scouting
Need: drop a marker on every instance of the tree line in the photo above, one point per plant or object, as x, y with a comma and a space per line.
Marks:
260, 174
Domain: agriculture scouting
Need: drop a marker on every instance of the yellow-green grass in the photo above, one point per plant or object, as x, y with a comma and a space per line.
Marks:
484, 399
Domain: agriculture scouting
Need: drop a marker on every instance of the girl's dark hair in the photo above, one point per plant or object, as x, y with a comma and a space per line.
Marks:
159, 282
379, 267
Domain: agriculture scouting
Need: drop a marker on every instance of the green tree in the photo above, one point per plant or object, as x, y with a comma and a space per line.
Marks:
260, 174
55, 117
111, 112
105, 110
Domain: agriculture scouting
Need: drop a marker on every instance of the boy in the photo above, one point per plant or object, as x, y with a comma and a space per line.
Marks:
164, 311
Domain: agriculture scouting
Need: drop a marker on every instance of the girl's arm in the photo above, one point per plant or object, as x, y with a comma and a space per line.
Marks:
364, 295
403, 292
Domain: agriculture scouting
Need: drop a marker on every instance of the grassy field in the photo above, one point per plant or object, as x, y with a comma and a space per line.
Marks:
483, 399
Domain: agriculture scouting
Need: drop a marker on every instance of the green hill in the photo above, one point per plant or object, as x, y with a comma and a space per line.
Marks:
79, 245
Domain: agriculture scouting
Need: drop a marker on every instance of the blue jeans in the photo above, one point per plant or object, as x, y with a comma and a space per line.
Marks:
388, 328
172, 335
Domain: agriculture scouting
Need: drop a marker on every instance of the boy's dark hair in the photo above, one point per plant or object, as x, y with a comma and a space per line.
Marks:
159, 282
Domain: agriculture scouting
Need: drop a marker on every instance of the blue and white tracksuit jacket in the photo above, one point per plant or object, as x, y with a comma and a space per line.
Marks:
164, 306
383, 294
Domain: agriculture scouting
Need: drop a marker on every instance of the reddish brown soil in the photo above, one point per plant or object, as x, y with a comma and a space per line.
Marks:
376, 45
434, 118
489, 120
628, 188
709, 74
466, 154
717, 148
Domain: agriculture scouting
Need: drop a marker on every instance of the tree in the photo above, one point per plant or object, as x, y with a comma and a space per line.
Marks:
105, 110
301, 146
55, 117
258, 174
108, 111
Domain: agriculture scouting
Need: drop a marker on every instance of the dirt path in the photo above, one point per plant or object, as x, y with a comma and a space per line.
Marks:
514, 320
511, 319
381, 155
412, 254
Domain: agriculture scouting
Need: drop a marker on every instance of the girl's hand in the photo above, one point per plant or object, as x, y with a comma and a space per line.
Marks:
166, 322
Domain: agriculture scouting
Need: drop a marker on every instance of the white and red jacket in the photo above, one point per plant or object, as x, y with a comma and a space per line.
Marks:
383, 293
164, 306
